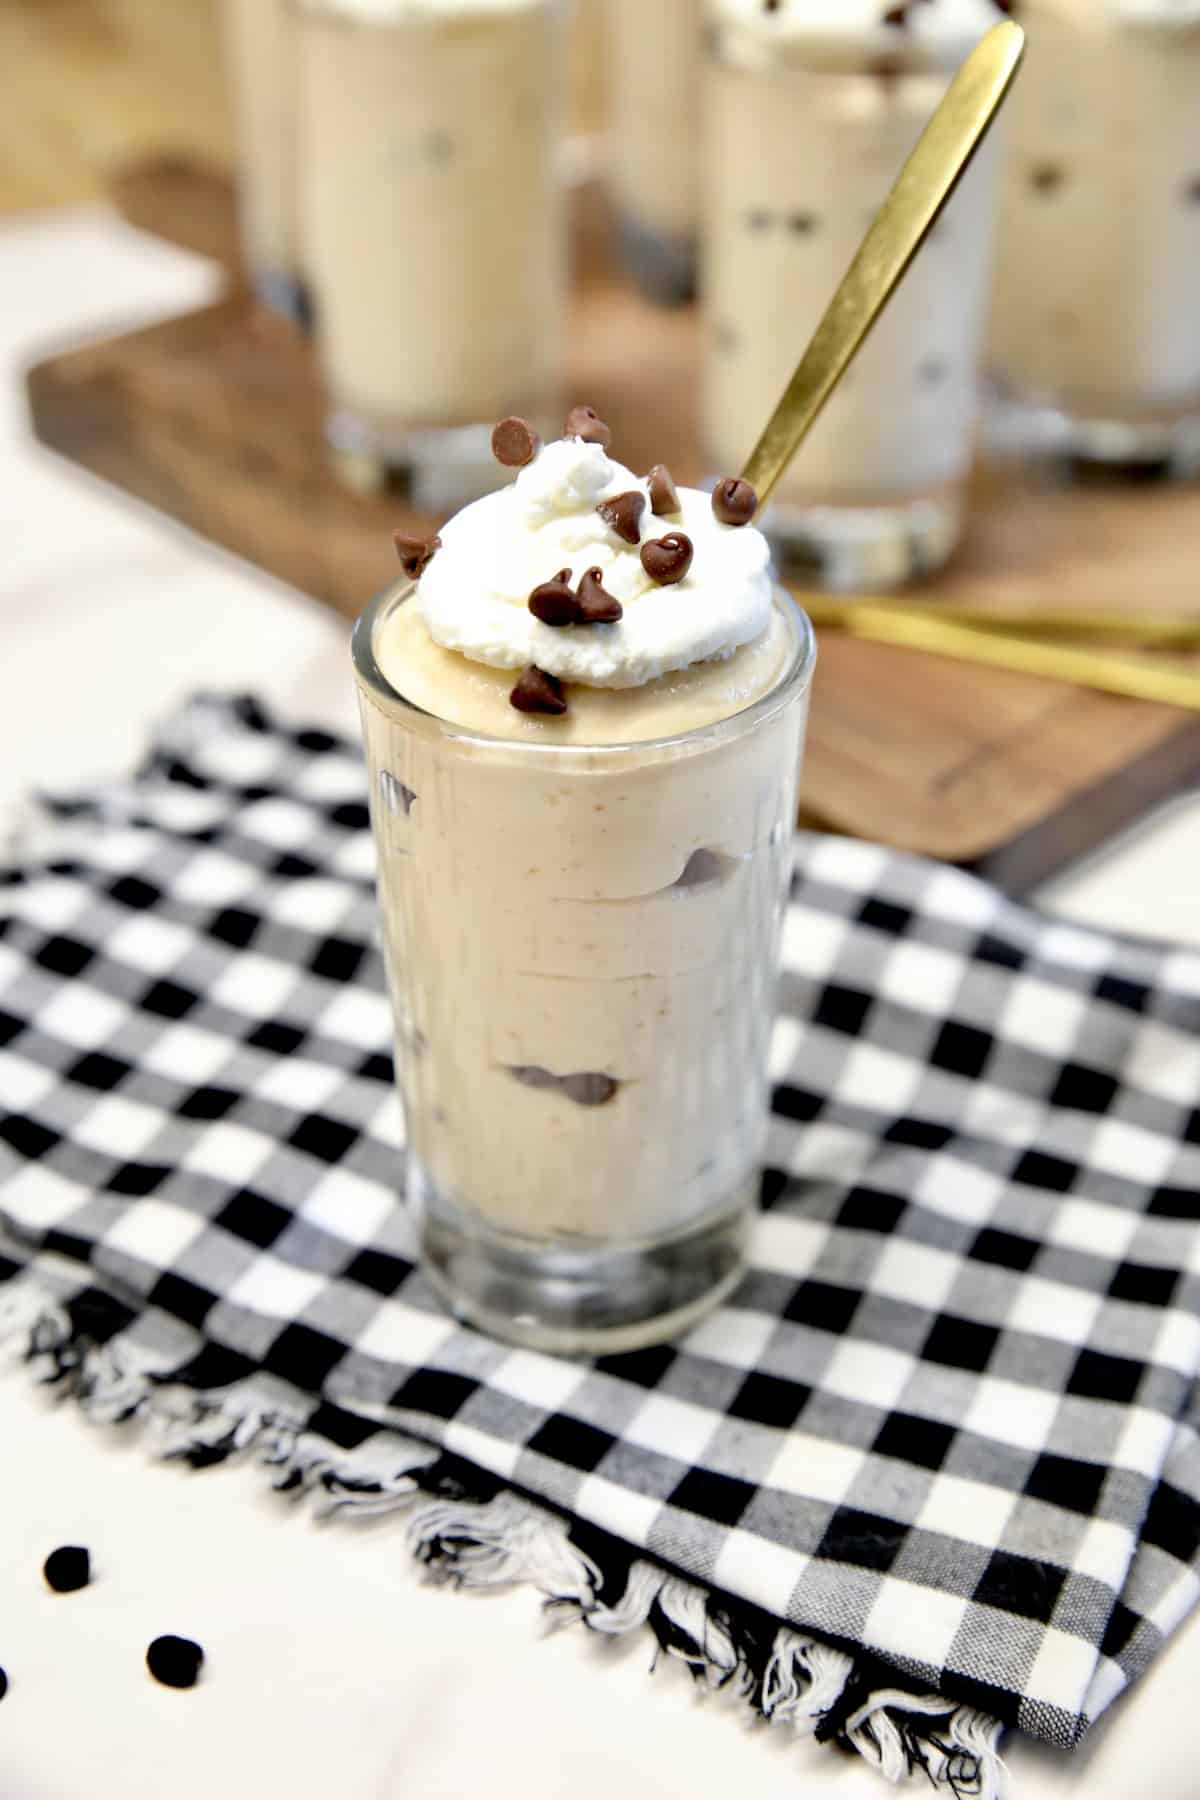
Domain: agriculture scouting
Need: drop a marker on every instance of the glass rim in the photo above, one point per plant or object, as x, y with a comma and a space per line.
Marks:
795, 679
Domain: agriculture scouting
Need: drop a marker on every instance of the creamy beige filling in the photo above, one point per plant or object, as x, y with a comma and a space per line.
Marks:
475, 696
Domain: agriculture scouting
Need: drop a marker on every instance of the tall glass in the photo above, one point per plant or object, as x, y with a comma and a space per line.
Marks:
801, 153
1095, 333
260, 59
581, 947
434, 230
654, 141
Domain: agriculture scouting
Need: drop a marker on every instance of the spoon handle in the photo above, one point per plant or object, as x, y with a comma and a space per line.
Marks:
923, 186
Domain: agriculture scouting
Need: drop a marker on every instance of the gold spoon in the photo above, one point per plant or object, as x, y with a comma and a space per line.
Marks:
923, 186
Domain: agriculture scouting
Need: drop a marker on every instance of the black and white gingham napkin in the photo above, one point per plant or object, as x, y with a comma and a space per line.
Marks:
937, 1463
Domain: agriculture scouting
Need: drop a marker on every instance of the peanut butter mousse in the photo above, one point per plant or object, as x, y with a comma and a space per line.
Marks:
582, 946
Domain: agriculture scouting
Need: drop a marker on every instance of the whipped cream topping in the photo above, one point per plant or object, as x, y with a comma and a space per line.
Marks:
474, 595
937, 32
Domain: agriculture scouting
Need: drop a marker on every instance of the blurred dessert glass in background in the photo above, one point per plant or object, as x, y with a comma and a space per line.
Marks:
434, 228
655, 139
260, 61
812, 110
1095, 335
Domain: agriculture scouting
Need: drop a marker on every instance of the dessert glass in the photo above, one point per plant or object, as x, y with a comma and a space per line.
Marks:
434, 230
260, 58
1094, 337
654, 141
801, 154
581, 946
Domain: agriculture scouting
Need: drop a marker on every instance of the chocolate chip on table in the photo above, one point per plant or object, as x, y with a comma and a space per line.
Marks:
554, 602
595, 605
802, 223
415, 553
734, 501
623, 513
515, 443
67, 1569
667, 559
3, 1684
897, 15
538, 692
584, 422
175, 1661
664, 495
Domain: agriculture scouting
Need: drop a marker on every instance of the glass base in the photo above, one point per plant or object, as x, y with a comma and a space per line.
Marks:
284, 293
664, 267
849, 548
1166, 448
584, 1299
436, 469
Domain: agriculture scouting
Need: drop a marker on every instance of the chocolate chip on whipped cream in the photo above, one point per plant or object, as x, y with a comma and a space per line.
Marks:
734, 501
415, 553
585, 422
667, 559
624, 514
515, 443
596, 606
664, 495
554, 601
537, 692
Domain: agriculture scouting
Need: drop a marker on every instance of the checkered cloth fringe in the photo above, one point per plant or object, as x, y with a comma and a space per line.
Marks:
934, 1469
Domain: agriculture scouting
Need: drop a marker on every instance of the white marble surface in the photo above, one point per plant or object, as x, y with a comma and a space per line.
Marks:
332, 1670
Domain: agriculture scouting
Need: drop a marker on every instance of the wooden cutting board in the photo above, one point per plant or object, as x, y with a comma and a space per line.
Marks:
215, 418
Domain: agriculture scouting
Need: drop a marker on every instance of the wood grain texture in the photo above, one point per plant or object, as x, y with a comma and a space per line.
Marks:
216, 418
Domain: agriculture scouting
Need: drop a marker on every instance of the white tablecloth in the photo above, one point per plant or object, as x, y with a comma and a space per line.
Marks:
332, 1670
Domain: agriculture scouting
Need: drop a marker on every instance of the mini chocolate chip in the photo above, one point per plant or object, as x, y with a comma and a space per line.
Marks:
537, 692
554, 602
1193, 192
623, 514
887, 70
3, 1684
897, 15
734, 501
664, 495
667, 559
515, 443
803, 224
67, 1569
1046, 178
584, 422
589, 1089
415, 553
174, 1661
596, 606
